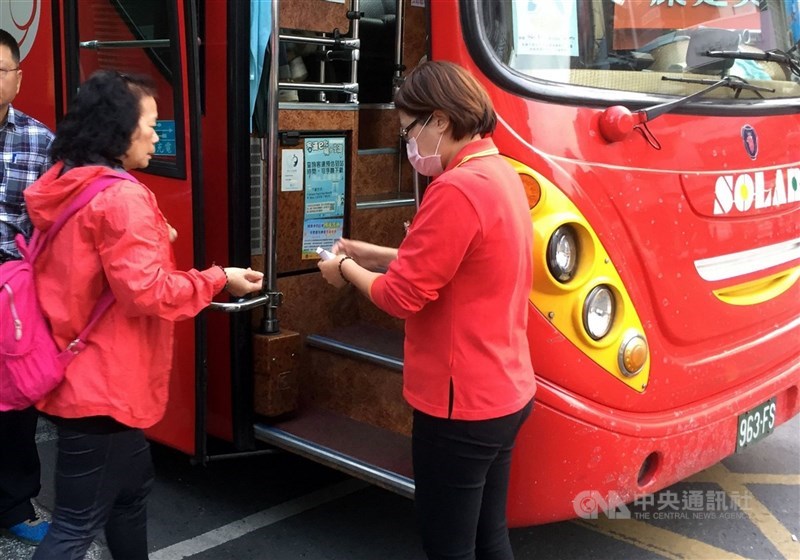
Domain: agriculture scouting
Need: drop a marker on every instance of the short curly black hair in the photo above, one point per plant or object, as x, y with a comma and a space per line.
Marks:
101, 120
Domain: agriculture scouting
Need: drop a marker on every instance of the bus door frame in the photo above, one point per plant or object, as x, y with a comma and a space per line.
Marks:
187, 108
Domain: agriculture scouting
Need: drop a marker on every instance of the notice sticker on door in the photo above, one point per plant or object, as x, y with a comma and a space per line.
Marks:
292, 170
166, 145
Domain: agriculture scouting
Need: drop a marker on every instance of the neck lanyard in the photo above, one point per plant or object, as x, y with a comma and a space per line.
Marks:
484, 153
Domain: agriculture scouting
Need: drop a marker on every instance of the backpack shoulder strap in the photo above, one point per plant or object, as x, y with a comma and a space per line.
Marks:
103, 303
87, 194
106, 298
101, 183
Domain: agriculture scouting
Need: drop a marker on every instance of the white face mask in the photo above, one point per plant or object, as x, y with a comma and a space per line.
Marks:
429, 166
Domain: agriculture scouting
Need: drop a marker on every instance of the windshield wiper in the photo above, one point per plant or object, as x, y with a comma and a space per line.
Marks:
617, 121
774, 55
733, 82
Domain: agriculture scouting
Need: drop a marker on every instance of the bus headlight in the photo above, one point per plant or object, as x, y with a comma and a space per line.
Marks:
562, 253
598, 312
632, 354
576, 285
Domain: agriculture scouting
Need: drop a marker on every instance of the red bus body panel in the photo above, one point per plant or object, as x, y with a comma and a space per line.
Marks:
653, 210
214, 125
33, 30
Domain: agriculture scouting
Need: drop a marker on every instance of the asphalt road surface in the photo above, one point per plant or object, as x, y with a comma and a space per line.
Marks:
281, 507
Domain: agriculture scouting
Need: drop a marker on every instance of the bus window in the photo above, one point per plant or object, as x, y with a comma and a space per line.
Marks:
377, 58
376, 66
631, 46
136, 37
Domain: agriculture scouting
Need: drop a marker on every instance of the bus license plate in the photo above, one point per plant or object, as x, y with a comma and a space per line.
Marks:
755, 424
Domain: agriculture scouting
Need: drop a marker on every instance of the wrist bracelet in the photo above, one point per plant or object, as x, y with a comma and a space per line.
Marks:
225, 287
341, 273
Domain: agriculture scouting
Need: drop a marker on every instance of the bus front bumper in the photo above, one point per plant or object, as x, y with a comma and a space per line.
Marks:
572, 448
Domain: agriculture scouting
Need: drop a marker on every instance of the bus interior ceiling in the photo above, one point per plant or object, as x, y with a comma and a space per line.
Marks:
346, 352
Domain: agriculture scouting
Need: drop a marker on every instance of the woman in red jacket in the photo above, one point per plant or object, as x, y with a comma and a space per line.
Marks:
118, 384
461, 280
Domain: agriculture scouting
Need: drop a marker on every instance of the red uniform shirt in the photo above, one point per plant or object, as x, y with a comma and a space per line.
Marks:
461, 279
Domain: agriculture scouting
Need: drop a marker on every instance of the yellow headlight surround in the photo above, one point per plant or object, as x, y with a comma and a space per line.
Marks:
623, 351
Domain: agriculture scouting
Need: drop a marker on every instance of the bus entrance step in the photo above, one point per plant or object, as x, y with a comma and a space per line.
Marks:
362, 341
379, 456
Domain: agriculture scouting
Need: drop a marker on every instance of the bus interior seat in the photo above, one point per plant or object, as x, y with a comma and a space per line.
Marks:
671, 56
772, 69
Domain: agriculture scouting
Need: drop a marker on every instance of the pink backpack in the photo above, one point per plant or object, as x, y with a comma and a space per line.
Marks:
31, 364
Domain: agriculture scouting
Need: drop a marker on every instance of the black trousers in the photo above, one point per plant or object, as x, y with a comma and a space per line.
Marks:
19, 466
102, 482
461, 471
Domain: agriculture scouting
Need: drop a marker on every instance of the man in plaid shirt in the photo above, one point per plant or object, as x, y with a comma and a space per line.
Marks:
25, 143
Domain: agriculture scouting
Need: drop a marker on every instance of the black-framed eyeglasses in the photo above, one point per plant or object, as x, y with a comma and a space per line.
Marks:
406, 129
4, 72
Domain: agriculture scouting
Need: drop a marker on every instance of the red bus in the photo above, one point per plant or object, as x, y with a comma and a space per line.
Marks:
657, 142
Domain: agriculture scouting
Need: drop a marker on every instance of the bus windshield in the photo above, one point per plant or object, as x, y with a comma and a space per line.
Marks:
632, 45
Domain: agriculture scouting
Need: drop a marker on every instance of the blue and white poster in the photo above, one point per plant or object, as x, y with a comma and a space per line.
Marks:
545, 27
324, 193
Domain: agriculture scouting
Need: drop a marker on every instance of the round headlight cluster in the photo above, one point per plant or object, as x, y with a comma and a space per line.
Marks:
562, 253
598, 312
